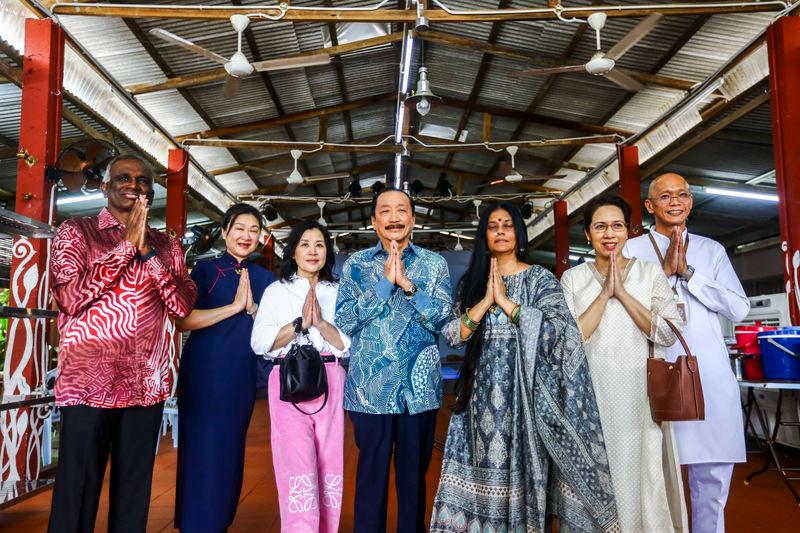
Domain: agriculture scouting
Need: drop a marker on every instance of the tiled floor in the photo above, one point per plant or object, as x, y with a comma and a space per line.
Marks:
763, 506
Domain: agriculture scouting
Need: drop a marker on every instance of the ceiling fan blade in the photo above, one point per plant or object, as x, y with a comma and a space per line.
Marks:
528, 178
73, 181
231, 86
546, 71
634, 36
292, 62
326, 177
623, 80
290, 187
171, 38
72, 161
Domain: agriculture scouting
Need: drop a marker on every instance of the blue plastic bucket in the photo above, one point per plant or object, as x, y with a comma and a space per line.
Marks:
780, 353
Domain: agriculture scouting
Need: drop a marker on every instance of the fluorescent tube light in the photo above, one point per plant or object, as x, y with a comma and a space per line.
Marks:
75, 199
742, 194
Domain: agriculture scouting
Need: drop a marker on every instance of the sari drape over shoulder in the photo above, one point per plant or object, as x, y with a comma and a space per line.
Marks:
530, 443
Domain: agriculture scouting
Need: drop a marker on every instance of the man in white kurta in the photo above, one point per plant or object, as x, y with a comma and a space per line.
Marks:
706, 286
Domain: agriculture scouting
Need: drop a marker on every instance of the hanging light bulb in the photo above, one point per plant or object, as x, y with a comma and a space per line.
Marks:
476, 218
423, 106
423, 97
295, 178
321, 219
458, 247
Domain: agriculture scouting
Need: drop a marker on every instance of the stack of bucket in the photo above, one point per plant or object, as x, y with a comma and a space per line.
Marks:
780, 353
747, 344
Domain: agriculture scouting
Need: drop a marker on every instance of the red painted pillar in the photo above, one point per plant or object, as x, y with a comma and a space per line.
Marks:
630, 185
27, 354
177, 189
270, 259
562, 237
783, 39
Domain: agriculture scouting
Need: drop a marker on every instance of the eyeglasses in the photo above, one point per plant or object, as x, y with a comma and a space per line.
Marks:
666, 198
616, 227
506, 226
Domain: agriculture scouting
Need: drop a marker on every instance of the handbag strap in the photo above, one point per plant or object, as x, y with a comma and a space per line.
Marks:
677, 332
324, 402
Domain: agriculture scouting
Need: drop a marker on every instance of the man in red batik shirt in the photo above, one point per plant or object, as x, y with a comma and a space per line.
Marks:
116, 282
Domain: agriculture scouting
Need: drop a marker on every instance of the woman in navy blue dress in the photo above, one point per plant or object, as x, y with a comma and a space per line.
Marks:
217, 378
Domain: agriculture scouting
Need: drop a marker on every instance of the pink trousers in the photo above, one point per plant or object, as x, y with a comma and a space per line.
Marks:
308, 456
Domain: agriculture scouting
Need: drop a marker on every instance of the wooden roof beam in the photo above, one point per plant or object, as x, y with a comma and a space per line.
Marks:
524, 56
529, 117
282, 120
408, 16
214, 75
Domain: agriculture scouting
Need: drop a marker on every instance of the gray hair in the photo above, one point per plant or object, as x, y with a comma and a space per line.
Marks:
126, 157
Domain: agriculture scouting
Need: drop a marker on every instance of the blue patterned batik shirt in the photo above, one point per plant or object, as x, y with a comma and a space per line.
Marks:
394, 358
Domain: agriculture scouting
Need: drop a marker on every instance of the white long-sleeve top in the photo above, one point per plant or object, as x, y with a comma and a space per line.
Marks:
713, 289
281, 303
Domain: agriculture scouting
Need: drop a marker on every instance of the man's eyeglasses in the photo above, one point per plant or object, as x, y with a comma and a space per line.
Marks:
666, 198
602, 227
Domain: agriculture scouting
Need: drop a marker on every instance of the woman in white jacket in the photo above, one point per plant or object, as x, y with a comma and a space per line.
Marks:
307, 449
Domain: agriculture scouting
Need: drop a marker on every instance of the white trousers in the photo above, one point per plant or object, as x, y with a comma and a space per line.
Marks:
709, 484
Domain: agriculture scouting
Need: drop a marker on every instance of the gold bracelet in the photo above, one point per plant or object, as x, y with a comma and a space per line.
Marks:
467, 321
515, 314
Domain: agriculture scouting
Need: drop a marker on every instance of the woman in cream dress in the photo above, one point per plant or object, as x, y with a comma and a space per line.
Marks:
621, 305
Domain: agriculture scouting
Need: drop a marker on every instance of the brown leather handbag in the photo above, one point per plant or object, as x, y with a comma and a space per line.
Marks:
674, 389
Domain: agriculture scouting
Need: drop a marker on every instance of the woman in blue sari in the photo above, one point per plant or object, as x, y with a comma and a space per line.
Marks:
525, 439
217, 378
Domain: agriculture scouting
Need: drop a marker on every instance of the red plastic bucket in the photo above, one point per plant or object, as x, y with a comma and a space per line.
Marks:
747, 344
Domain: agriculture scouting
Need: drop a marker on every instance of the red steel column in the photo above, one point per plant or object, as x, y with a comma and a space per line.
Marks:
783, 39
177, 189
270, 259
630, 185
27, 352
562, 236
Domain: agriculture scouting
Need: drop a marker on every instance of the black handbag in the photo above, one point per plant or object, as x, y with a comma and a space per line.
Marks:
302, 373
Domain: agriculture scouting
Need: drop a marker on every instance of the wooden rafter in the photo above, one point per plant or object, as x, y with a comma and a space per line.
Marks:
484, 178
140, 35
214, 75
379, 15
486, 60
284, 119
524, 56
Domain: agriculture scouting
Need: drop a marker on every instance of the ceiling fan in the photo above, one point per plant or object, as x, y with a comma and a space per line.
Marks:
238, 66
602, 63
513, 175
81, 165
295, 179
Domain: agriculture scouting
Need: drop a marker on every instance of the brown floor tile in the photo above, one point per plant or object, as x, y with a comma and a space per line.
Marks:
763, 506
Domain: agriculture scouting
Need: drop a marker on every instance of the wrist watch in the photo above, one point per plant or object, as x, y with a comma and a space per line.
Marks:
689, 273
411, 290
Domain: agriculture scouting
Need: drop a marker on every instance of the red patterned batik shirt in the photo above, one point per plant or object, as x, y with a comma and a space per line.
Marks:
115, 333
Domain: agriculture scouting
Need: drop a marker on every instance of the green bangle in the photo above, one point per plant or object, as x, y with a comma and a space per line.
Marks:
515, 314
467, 321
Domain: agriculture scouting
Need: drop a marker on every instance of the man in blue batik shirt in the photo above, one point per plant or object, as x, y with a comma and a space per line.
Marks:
393, 300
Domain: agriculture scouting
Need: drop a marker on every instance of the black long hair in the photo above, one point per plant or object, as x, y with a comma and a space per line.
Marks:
289, 265
237, 210
472, 288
